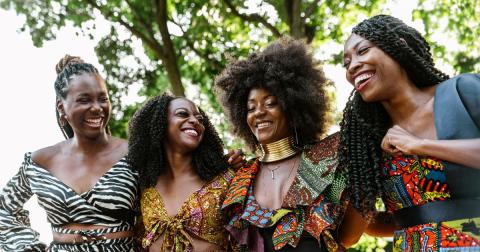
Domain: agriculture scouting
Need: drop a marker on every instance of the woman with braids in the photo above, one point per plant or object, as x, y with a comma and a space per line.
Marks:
412, 136
289, 198
84, 183
183, 176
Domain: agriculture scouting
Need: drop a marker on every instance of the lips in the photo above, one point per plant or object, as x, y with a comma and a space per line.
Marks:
263, 124
94, 122
362, 79
191, 132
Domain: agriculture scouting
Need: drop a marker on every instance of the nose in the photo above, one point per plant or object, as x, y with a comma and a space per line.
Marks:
193, 120
354, 66
259, 111
96, 107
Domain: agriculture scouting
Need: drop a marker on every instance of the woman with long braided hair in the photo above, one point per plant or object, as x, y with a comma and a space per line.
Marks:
411, 136
84, 183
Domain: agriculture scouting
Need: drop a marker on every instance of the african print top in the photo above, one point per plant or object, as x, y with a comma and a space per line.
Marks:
414, 181
115, 192
312, 203
199, 216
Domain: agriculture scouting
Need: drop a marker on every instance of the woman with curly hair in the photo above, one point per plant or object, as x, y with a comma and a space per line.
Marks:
411, 135
84, 183
289, 198
183, 176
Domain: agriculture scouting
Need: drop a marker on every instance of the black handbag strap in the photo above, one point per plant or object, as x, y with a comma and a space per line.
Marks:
438, 211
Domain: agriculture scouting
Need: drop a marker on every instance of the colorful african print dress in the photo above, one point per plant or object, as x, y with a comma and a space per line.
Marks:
311, 208
199, 216
415, 181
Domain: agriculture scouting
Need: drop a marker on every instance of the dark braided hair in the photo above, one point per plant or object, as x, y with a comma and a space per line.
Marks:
286, 69
146, 150
365, 124
67, 68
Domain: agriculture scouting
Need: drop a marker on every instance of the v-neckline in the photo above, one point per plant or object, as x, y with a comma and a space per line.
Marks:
69, 187
163, 208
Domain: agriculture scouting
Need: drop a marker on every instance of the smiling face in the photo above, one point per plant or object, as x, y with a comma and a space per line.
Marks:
86, 105
265, 117
185, 125
371, 71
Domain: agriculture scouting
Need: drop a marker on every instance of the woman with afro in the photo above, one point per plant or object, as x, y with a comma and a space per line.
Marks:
183, 176
289, 198
411, 135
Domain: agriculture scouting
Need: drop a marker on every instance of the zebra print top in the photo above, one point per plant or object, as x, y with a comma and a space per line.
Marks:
116, 190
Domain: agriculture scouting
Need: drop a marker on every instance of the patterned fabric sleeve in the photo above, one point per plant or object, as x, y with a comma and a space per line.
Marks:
15, 231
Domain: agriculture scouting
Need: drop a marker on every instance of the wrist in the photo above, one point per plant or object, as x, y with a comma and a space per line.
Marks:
422, 146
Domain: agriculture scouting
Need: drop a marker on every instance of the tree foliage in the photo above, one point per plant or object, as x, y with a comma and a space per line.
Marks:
180, 45
176, 44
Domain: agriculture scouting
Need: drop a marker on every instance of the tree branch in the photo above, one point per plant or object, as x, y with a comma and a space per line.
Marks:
255, 18
142, 21
170, 58
311, 9
152, 43
215, 63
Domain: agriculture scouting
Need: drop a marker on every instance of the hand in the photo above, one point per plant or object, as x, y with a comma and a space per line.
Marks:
236, 159
399, 141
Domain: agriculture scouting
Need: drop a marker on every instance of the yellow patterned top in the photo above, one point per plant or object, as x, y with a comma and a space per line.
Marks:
199, 216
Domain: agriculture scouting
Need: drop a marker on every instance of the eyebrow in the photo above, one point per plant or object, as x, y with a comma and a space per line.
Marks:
185, 109
264, 98
354, 47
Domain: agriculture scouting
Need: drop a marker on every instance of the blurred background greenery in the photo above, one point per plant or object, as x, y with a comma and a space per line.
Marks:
180, 45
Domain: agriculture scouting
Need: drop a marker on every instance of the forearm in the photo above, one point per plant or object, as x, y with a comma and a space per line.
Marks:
351, 228
461, 151
382, 225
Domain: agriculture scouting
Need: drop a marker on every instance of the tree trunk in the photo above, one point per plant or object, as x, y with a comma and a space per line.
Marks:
296, 25
169, 58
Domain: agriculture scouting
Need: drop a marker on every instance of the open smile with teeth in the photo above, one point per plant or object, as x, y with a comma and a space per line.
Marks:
191, 132
359, 80
95, 122
263, 125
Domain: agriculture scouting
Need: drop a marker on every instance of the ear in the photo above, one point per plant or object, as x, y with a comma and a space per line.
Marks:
60, 107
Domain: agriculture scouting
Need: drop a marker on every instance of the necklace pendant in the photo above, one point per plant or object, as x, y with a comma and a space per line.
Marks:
273, 175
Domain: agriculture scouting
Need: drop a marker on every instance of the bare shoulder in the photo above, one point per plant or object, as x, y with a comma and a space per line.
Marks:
44, 156
119, 146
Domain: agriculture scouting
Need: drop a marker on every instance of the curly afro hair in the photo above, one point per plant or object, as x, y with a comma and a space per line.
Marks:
146, 151
285, 68
365, 124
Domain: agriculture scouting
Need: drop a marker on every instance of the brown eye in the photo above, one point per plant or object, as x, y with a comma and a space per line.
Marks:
363, 50
182, 114
200, 118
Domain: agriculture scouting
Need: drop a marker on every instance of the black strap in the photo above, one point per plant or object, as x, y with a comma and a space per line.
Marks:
437, 211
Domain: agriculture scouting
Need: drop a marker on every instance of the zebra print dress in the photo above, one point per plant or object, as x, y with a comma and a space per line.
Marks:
115, 191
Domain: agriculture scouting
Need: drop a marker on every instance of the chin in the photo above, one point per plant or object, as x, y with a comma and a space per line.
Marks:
367, 97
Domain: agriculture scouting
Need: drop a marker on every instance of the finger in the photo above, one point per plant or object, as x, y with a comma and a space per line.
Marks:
230, 156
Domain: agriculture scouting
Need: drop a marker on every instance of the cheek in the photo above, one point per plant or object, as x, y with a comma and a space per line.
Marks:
250, 121
349, 78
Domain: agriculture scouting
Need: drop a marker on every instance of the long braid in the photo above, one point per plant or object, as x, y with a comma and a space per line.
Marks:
67, 68
365, 124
